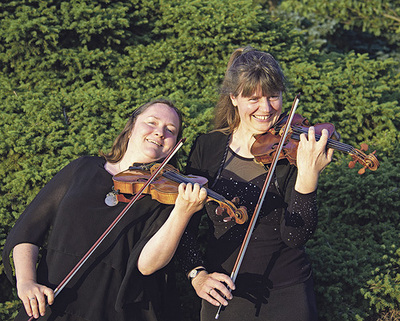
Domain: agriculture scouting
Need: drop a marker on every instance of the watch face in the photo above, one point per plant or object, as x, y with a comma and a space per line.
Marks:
193, 273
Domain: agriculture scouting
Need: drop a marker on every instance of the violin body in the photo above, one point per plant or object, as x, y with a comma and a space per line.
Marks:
265, 146
164, 188
132, 180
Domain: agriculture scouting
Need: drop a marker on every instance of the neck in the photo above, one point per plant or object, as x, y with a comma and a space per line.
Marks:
115, 168
124, 164
241, 143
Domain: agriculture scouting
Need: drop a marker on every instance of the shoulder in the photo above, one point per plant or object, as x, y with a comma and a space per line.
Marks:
211, 144
92, 160
87, 161
212, 139
207, 154
81, 164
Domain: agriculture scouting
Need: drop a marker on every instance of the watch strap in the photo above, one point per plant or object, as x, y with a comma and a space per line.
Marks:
193, 273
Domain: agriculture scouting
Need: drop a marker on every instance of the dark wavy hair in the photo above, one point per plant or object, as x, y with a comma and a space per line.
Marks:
120, 144
248, 70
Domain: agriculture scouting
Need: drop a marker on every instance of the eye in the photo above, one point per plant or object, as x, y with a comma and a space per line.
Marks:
171, 130
274, 97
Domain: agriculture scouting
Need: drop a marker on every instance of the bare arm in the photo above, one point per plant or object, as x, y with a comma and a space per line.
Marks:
32, 294
162, 246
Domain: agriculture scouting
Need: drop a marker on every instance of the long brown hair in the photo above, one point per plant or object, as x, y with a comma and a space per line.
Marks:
120, 144
248, 70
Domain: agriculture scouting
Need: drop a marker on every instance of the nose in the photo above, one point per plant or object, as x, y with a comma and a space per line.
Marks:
159, 131
264, 104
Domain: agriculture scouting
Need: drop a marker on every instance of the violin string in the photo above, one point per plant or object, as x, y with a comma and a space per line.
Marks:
331, 143
334, 143
176, 177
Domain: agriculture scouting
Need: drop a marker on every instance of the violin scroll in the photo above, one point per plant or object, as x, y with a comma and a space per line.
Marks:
239, 214
368, 161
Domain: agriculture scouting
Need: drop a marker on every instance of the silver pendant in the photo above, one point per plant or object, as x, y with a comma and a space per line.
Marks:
111, 199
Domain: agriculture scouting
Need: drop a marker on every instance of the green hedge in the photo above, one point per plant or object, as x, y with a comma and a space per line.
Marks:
72, 71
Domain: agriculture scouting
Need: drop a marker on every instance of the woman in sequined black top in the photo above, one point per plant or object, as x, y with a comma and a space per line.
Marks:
275, 277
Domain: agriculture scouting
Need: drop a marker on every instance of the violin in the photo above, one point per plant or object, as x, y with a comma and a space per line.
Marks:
264, 148
164, 189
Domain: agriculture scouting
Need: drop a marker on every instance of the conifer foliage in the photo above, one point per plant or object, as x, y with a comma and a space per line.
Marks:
71, 72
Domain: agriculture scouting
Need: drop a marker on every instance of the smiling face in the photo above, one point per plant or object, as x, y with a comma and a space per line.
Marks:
257, 113
154, 134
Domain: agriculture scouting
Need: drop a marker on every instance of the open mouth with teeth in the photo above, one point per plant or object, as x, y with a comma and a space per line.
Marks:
260, 117
155, 142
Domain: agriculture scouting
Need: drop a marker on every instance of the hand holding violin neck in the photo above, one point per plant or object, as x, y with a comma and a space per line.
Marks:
165, 187
265, 146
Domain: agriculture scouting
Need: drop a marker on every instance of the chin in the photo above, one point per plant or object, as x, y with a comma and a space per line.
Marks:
151, 154
260, 131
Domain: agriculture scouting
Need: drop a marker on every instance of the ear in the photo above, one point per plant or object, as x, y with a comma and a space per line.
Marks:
233, 100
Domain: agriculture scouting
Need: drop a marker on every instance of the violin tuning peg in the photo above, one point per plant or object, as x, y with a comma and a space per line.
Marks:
236, 200
219, 210
352, 164
362, 170
227, 219
364, 147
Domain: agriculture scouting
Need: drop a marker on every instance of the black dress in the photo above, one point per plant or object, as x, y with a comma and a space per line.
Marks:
66, 218
275, 268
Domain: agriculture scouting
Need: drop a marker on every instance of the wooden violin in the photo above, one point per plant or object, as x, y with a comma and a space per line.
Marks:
265, 145
164, 188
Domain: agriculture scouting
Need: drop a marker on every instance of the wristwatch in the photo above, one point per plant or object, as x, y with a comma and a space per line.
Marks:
193, 273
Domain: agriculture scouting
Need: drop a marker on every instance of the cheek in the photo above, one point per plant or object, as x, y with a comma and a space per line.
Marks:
139, 130
278, 105
170, 141
244, 110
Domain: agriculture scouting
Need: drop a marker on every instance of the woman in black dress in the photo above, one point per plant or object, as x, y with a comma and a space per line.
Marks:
119, 281
275, 278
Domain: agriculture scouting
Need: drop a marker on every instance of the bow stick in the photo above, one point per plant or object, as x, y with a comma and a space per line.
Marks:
70, 275
260, 201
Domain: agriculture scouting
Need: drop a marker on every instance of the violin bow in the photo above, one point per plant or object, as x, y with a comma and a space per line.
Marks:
71, 274
261, 198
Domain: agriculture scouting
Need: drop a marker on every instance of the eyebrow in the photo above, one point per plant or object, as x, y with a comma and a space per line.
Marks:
254, 97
